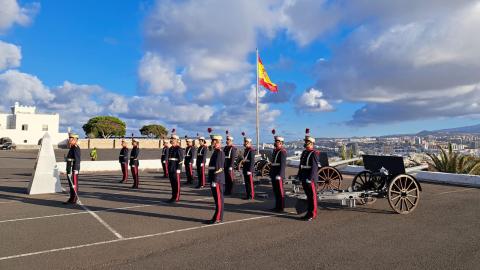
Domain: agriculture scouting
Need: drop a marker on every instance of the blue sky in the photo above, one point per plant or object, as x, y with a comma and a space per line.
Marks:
348, 69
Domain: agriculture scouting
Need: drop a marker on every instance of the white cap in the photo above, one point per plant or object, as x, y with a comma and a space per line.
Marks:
278, 138
245, 139
216, 137
174, 136
230, 138
309, 139
201, 138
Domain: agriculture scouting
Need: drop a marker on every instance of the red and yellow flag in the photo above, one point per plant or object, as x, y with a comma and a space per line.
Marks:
263, 78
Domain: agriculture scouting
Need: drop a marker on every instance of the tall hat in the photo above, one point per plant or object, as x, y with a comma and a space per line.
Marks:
276, 137
214, 136
228, 136
200, 137
245, 138
174, 135
73, 135
134, 140
309, 138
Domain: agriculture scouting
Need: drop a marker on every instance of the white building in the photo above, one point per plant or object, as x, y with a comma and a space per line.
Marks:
25, 127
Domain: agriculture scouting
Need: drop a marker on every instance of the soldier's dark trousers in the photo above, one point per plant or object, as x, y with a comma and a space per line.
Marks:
73, 179
228, 181
175, 183
124, 166
311, 192
201, 176
189, 173
136, 181
278, 193
217, 193
165, 168
249, 186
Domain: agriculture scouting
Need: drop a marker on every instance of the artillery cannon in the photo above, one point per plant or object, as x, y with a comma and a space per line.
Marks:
383, 177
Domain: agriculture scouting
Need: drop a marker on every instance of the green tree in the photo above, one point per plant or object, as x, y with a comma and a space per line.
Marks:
154, 131
450, 162
343, 152
104, 127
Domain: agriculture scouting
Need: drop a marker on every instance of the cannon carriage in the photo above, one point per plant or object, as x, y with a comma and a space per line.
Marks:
383, 177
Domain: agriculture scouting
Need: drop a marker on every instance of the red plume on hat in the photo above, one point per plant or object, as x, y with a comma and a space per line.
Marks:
197, 134
226, 131
186, 136
273, 131
209, 130
307, 131
173, 131
243, 133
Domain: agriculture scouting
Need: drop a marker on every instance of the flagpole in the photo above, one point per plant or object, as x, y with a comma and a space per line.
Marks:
256, 97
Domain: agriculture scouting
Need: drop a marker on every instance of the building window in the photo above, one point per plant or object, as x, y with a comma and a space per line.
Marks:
24, 141
25, 127
44, 127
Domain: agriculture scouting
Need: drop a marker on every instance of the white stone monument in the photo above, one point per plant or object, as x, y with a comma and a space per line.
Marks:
46, 177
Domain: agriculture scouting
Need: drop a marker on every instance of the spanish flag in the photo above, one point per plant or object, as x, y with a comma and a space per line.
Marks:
263, 78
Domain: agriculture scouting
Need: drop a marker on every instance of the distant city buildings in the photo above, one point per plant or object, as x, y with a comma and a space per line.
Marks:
25, 127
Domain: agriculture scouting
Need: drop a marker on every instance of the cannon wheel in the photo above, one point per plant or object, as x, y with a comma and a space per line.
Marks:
403, 194
364, 181
329, 178
266, 169
258, 167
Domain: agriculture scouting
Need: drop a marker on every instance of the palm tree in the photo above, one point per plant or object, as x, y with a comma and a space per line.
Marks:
450, 162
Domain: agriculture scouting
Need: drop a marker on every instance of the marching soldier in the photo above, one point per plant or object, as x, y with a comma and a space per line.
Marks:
201, 159
277, 172
164, 158
175, 160
123, 159
216, 178
248, 167
190, 153
73, 167
134, 163
230, 152
308, 175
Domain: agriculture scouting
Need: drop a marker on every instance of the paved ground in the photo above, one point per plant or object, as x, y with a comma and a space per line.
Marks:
123, 229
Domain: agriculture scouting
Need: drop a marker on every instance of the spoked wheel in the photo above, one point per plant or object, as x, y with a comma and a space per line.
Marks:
403, 194
266, 169
365, 181
259, 164
329, 178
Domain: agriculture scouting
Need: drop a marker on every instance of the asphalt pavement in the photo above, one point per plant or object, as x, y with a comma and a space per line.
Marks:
120, 228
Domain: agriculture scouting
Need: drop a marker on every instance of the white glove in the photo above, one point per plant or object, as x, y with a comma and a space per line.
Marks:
75, 171
201, 164
278, 177
249, 173
178, 171
230, 168
308, 181
163, 161
214, 184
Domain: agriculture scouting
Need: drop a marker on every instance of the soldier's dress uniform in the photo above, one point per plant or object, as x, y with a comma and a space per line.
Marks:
73, 169
277, 175
190, 153
308, 175
175, 160
123, 159
164, 159
201, 159
248, 170
230, 153
216, 178
134, 163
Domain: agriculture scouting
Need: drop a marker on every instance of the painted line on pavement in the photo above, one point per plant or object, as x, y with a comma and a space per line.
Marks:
140, 237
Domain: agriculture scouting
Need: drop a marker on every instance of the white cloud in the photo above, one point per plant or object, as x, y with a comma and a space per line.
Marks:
22, 87
158, 76
10, 55
312, 101
12, 13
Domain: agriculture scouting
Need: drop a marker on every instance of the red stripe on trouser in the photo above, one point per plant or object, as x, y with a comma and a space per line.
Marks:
191, 171
314, 192
178, 187
203, 176
125, 171
280, 185
166, 168
219, 204
75, 181
251, 186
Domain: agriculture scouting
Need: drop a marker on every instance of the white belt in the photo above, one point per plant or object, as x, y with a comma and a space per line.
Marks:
305, 167
173, 159
70, 159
